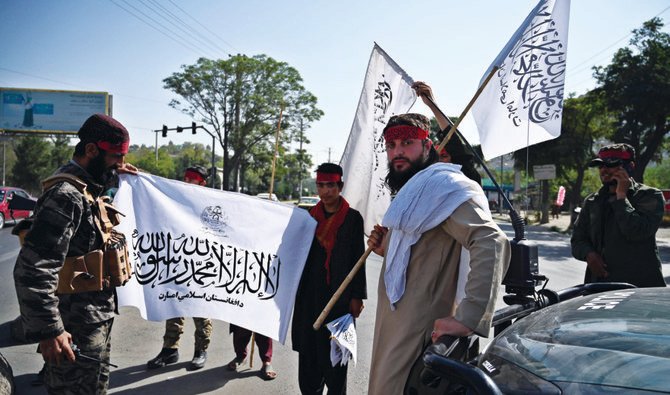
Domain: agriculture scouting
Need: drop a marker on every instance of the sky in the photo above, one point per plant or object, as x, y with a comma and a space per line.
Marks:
127, 47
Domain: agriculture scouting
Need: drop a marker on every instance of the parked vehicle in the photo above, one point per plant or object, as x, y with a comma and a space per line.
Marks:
18, 211
307, 202
588, 342
267, 196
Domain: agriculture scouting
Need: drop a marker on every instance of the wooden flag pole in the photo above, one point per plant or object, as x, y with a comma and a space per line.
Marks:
340, 290
465, 111
274, 158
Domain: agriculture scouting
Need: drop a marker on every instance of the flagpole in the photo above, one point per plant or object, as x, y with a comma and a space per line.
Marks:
465, 111
319, 321
340, 290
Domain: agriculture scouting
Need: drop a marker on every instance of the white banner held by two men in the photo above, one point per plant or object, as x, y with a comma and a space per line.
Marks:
387, 90
201, 252
522, 105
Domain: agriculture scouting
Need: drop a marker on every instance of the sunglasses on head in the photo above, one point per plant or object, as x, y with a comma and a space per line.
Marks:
611, 164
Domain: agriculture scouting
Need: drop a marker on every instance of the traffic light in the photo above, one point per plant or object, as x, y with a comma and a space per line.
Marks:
164, 131
179, 129
193, 127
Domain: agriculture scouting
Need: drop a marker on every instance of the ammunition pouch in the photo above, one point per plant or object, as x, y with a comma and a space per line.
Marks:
100, 269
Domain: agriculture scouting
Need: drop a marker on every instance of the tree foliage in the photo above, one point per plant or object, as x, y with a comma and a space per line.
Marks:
33, 163
241, 98
636, 86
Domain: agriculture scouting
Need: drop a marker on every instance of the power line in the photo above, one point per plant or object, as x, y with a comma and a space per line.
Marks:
576, 69
152, 26
205, 27
175, 28
183, 24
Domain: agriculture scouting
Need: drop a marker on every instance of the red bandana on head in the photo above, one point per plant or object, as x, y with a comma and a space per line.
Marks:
403, 132
326, 230
328, 177
194, 175
119, 149
616, 154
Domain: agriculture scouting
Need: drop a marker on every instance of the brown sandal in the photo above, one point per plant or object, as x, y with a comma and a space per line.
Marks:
235, 363
268, 373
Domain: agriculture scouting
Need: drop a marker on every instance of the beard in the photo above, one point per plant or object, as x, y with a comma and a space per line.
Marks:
397, 179
97, 168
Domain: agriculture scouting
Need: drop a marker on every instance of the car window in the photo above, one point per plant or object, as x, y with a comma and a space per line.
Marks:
22, 194
2, 195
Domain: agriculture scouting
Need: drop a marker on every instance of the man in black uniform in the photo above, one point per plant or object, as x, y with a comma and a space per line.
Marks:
64, 227
337, 246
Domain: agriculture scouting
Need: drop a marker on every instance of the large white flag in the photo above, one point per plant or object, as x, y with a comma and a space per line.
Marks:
387, 91
201, 252
523, 103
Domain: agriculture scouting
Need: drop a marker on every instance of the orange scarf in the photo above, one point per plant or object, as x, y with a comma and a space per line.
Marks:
326, 230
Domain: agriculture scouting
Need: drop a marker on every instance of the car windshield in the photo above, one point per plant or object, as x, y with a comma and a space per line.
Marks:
309, 200
2, 195
629, 329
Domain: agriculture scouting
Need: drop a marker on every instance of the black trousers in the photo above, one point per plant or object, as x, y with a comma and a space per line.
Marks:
315, 370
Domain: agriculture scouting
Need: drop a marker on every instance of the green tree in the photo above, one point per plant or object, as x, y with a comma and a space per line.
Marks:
145, 159
33, 163
636, 85
585, 120
61, 151
241, 99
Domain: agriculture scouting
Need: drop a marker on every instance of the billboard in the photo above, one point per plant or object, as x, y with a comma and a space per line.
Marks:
49, 111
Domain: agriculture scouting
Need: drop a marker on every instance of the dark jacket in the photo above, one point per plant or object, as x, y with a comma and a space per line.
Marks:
623, 232
314, 293
63, 226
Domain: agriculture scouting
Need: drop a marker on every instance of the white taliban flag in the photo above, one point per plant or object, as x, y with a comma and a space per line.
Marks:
522, 105
201, 252
387, 91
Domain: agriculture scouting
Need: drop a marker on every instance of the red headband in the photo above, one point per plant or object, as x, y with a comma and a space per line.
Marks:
616, 154
328, 177
194, 175
120, 148
402, 132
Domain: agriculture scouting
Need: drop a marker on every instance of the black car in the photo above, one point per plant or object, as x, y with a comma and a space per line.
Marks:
600, 343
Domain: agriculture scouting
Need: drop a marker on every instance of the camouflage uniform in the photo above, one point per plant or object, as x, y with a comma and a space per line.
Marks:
63, 226
174, 327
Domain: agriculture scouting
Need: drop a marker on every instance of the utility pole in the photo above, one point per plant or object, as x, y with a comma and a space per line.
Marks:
329, 155
302, 170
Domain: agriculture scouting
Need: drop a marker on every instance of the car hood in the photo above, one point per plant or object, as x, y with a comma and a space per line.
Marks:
619, 338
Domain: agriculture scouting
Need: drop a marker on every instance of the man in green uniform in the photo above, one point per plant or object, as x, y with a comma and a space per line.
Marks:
615, 232
64, 226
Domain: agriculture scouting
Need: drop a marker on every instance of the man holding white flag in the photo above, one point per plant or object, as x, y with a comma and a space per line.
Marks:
522, 104
200, 252
387, 91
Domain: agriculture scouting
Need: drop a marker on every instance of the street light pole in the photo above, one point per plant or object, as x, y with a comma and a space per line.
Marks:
179, 129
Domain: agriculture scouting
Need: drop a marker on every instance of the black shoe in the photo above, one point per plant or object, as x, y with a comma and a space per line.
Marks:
199, 359
165, 357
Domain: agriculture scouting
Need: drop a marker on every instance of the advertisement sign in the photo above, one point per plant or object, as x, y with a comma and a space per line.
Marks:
49, 111
544, 172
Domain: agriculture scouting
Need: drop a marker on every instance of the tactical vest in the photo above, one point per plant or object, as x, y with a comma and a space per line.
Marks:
101, 268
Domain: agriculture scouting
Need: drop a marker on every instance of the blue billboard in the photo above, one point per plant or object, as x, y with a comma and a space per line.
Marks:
49, 111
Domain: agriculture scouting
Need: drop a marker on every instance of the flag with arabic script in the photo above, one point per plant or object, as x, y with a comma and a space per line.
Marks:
522, 104
387, 90
201, 252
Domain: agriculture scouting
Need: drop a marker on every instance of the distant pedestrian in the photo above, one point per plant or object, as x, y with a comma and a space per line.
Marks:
174, 327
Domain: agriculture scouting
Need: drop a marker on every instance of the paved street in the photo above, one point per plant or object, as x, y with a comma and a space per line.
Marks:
135, 340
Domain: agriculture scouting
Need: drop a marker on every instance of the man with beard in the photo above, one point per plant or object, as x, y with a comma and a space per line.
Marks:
64, 226
615, 232
436, 211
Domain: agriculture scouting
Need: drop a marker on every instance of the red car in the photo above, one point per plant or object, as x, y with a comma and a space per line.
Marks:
6, 195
